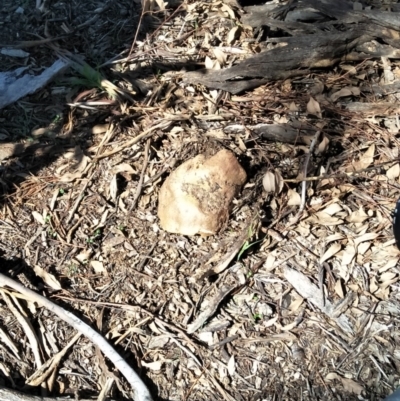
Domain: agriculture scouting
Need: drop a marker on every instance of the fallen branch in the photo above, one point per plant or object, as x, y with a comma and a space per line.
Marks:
141, 391
12, 395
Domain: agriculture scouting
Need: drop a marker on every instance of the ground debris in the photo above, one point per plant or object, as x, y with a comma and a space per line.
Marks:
217, 317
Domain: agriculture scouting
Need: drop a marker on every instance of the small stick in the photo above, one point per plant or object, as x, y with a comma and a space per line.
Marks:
141, 179
79, 199
304, 180
145, 134
141, 391
136, 33
304, 183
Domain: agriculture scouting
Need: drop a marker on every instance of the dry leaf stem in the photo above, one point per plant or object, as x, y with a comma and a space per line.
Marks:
141, 391
79, 198
141, 179
307, 161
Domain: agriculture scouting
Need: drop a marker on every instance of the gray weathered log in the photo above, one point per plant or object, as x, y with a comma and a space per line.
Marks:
312, 44
295, 59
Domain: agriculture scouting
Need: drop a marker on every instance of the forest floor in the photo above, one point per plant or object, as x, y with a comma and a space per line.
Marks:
296, 304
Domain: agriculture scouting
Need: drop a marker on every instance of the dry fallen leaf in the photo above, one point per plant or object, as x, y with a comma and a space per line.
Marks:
348, 255
84, 256
323, 145
349, 385
365, 237
308, 290
231, 365
333, 250
365, 160
48, 278
98, 267
228, 10
279, 181
347, 91
161, 4
294, 198
324, 219
38, 217
220, 56
314, 108
393, 172
387, 279
333, 237
359, 216
123, 168
11, 149
211, 64
332, 209
114, 188
269, 182
79, 166
339, 288
155, 366
232, 35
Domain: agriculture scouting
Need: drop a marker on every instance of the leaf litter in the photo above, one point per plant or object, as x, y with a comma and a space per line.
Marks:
319, 286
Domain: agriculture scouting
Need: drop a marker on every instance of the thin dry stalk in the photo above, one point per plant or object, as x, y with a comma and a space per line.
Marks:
304, 183
79, 198
141, 179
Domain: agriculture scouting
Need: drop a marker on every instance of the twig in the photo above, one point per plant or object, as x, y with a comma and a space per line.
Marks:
50, 365
72, 229
141, 391
304, 179
166, 20
304, 183
106, 388
79, 199
195, 382
136, 33
141, 179
163, 125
